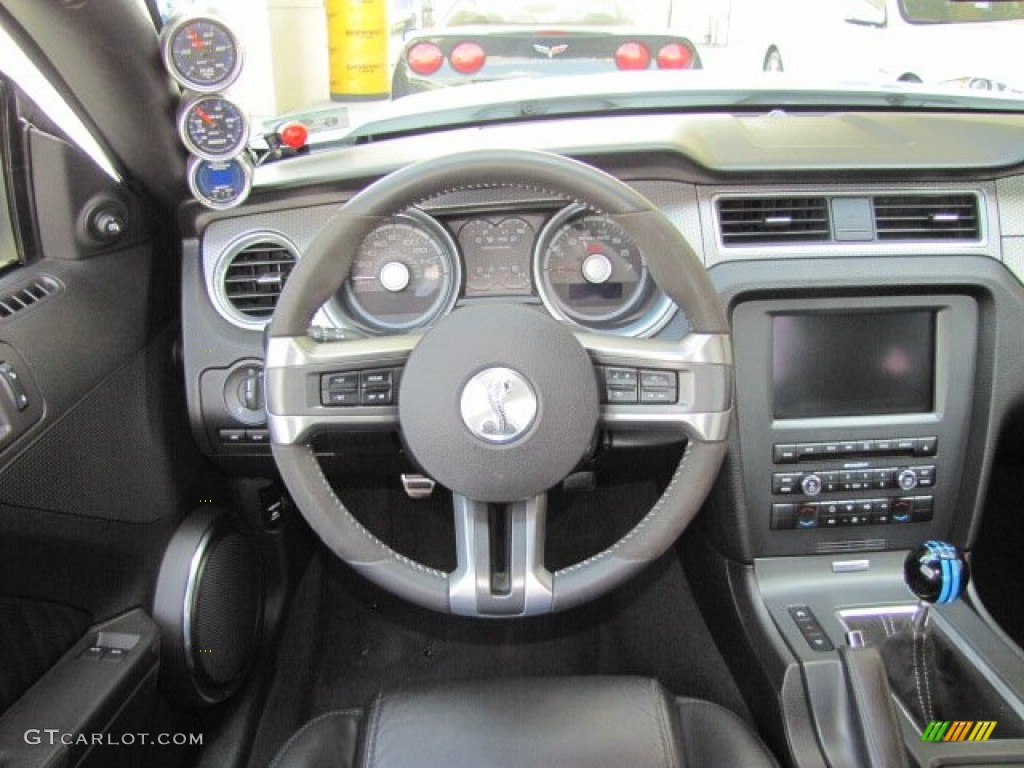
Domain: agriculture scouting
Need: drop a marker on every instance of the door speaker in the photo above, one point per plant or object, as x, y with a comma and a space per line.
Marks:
208, 604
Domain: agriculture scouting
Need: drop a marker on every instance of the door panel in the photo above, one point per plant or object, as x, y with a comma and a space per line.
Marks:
97, 470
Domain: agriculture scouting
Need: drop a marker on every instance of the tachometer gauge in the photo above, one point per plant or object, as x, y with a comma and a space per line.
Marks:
201, 52
213, 127
588, 268
405, 275
220, 184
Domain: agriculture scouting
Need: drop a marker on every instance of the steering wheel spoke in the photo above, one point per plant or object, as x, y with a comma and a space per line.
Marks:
315, 387
648, 384
500, 551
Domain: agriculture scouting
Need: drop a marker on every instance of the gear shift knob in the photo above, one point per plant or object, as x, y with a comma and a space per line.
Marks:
936, 572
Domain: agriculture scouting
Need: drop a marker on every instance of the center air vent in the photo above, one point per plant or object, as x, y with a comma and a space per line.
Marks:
758, 220
255, 275
927, 217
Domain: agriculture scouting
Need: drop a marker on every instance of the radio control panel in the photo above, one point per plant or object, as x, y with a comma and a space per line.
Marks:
826, 471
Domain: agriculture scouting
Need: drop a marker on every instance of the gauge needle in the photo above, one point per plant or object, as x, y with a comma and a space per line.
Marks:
197, 41
205, 117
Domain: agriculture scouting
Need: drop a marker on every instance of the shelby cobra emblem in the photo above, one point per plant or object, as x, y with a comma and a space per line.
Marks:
498, 405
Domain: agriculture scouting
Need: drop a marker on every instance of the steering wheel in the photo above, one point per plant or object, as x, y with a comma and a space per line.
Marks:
498, 402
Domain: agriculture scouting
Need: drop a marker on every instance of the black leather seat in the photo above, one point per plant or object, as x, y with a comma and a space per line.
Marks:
589, 722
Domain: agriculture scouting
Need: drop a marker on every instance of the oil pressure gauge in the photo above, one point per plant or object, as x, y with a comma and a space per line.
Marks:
213, 127
201, 52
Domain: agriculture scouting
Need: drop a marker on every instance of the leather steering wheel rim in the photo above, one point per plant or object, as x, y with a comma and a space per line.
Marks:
326, 263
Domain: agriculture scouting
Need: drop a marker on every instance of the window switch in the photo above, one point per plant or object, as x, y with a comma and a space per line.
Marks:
115, 655
93, 653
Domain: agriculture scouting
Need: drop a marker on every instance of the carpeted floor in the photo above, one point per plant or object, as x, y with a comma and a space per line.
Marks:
345, 638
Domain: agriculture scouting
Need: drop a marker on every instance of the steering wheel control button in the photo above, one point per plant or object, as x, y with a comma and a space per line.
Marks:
347, 397
379, 396
644, 386
378, 378
340, 382
498, 405
350, 388
621, 385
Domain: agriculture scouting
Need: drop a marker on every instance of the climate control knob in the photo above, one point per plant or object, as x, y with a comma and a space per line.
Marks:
907, 480
811, 485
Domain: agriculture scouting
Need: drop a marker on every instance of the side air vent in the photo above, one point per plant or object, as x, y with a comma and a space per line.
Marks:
927, 217
27, 295
760, 220
254, 276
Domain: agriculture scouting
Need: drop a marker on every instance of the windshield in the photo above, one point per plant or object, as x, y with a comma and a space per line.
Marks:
352, 68
473, 12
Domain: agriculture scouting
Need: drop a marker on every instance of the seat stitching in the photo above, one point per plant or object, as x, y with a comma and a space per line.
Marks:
647, 519
663, 728
371, 735
281, 752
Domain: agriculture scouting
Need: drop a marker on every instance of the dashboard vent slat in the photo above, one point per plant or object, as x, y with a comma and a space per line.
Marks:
27, 295
768, 220
255, 276
927, 217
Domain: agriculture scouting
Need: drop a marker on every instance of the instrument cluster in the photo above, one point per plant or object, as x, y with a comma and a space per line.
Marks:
583, 266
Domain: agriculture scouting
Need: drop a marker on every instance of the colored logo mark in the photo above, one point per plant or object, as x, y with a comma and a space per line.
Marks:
958, 730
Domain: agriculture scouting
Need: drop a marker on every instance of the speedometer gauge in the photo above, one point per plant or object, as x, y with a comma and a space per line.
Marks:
201, 52
590, 272
588, 268
405, 275
213, 127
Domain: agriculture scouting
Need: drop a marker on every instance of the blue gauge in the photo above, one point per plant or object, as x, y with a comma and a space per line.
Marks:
220, 184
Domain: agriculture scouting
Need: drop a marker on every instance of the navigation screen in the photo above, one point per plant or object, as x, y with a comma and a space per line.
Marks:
853, 364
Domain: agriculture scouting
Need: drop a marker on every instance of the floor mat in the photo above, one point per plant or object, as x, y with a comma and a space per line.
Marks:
346, 639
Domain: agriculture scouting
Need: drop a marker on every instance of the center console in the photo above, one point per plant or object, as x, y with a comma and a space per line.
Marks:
852, 415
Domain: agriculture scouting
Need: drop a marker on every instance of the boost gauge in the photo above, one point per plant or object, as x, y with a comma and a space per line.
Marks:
213, 127
220, 184
201, 52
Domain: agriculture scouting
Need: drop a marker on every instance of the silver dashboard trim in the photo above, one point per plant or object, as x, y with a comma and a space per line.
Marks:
703, 362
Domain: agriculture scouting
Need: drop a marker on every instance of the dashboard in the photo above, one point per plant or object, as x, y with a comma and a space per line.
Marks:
865, 296
578, 264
